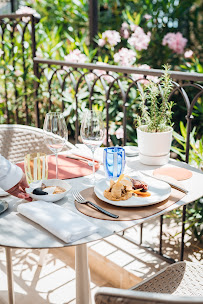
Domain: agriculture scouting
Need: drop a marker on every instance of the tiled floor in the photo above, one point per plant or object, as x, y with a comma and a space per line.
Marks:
113, 262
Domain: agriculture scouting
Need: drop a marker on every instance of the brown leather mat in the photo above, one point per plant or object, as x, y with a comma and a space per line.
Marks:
125, 213
177, 173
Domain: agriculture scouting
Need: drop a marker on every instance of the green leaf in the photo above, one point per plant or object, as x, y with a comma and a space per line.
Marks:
183, 129
129, 16
86, 51
138, 19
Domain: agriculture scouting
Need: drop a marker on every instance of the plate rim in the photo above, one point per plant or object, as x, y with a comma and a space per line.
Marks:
120, 203
6, 205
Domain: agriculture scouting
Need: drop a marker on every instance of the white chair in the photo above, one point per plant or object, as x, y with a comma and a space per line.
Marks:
180, 283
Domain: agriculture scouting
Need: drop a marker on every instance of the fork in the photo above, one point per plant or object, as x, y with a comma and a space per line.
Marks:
81, 200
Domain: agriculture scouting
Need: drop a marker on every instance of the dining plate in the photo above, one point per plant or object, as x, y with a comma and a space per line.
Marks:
159, 192
3, 193
131, 151
3, 206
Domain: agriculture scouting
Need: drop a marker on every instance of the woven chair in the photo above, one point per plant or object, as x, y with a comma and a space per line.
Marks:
17, 140
179, 283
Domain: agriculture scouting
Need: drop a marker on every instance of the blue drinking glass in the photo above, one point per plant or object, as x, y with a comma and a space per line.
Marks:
114, 161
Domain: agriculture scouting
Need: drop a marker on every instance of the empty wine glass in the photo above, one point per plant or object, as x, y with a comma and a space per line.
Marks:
92, 132
56, 133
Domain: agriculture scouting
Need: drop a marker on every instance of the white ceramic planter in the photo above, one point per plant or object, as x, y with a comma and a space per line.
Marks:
154, 148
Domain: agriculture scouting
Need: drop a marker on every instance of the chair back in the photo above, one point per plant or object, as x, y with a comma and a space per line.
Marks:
17, 140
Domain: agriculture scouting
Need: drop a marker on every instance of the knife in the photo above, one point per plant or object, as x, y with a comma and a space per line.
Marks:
167, 179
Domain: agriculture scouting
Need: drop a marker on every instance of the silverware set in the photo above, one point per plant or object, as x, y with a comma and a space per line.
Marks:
81, 200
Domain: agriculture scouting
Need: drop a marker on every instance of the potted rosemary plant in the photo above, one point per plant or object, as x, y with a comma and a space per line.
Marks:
154, 126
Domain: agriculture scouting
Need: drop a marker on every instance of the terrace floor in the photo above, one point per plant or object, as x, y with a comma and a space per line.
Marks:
113, 262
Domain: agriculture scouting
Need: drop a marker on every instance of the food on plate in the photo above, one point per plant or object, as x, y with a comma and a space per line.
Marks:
125, 188
137, 184
39, 191
58, 190
45, 190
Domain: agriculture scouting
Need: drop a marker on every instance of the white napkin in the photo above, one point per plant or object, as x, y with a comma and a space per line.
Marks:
82, 150
63, 223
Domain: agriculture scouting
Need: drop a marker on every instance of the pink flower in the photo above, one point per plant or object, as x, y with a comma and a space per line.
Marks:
175, 42
125, 32
125, 26
125, 57
188, 54
1, 52
76, 57
140, 76
108, 78
119, 133
39, 54
101, 42
18, 73
111, 37
147, 16
133, 27
139, 40
26, 10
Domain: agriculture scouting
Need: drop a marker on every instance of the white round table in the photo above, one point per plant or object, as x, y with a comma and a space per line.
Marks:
17, 231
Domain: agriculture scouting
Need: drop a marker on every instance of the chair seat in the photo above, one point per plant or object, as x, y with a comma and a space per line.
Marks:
183, 278
180, 283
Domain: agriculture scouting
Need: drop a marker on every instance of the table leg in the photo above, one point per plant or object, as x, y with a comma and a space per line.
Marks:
43, 253
83, 295
11, 299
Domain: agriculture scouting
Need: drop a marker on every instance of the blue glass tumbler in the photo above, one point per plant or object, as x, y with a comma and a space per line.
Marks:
114, 161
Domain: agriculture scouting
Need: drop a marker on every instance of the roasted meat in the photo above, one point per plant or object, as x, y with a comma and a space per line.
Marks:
137, 184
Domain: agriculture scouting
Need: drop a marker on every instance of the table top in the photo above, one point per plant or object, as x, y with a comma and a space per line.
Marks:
19, 232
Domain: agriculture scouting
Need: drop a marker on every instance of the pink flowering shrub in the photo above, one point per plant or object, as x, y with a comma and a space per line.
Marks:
26, 10
175, 42
76, 56
125, 57
139, 40
112, 38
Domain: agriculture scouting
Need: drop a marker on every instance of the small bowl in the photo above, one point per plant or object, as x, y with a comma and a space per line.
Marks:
50, 197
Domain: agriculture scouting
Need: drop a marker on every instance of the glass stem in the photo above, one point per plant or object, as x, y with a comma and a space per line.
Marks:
93, 167
56, 165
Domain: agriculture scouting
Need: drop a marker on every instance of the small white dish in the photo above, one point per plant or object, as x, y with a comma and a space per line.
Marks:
159, 192
50, 197
3, 193
131, 151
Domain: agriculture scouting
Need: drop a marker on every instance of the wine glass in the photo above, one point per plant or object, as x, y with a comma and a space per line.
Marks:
92, 132
55, 133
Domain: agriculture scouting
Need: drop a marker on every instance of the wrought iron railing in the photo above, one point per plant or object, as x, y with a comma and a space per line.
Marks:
18, 48
77, 75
